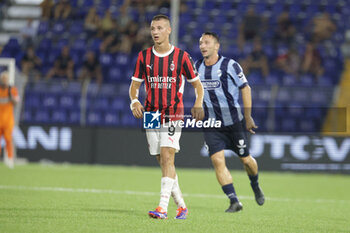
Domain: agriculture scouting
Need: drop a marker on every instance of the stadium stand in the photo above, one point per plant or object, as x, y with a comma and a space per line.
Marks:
297, 101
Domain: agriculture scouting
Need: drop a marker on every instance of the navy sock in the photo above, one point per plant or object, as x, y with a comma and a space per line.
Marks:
254, 181
229, 190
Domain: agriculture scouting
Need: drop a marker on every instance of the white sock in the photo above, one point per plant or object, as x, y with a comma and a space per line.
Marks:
165, 190
177, 195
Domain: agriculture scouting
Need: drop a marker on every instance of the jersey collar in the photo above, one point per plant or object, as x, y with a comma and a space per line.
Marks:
214, 63
163, 54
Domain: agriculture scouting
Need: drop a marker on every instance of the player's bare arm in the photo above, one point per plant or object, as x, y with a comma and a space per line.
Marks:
197, 110
247, 102
135, 106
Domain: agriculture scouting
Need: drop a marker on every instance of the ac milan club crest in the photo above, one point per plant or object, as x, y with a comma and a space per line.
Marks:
172, 66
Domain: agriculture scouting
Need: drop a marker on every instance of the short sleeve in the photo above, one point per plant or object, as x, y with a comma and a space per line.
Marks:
236, 72
189, 70
139, 70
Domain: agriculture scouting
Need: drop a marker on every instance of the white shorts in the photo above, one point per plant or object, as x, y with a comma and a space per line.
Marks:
166, 136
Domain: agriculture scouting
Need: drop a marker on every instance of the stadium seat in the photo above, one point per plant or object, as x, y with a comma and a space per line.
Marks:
255, 78
59, 116
27, 115
45, 44
296, 109
87, 3
225, 5
49, 101
76, 29
308, 126
300, 95
32, 100
95, 45
289, 80
79, 45
191, 4
306, 80
325, 81
40, 87
272, 79
111, 118
106, 60
58, 28
119, 104
43, 27
129, 120
315, 111
321, 97
94, 118
100, 103
74, 117
74, 88
289, 125
67, 101
42, 116
114, 74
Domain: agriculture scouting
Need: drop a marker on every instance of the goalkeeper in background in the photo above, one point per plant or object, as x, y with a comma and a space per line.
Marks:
8, 99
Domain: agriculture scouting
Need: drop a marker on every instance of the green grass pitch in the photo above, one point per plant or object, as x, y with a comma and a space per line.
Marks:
82, 198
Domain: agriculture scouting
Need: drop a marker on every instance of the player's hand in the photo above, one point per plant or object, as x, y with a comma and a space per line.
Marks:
10, 94
137, 110
250, 124
197, 113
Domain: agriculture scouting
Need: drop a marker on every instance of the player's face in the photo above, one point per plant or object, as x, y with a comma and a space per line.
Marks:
4, 80
160, 31
208, 46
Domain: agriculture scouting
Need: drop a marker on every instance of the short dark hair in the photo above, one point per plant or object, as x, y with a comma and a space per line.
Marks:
159, 17
213, 34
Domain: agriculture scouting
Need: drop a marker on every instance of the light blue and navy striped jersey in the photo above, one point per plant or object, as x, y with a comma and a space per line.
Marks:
222, 83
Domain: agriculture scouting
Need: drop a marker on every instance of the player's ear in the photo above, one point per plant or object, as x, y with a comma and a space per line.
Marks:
169, 29
217, 46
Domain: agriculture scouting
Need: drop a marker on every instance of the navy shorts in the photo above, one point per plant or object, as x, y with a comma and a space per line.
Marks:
232, 137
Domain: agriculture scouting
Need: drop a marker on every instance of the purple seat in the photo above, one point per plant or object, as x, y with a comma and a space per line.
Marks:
58, 116
42, 116
32, 100
111, 118
58, 28
118, 104
49, 101
74, 117
114, 74
43, 27
94, 118
27, 115
68, 102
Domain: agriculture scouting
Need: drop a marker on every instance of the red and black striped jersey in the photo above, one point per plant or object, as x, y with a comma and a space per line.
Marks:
164, 79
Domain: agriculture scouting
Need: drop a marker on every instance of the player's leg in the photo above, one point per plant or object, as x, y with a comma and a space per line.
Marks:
9, 147
170, 139
176, 191
225, 180
153, 139
240, 147
166, 161
251, 167
1, 133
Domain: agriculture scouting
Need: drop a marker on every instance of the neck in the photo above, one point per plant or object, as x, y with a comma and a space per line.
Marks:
209, 61
162, 47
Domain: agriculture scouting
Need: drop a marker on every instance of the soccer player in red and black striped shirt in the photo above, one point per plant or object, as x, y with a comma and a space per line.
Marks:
164, 68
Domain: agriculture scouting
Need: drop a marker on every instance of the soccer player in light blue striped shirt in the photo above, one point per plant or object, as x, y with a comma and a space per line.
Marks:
223, 79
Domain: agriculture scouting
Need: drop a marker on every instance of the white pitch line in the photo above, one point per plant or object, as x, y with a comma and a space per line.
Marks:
109, 191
